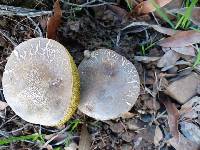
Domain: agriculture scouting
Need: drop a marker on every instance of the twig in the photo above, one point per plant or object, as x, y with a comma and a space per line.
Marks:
45, 145
8, 38
90, 4
36, 27
19, 11
155, 18
8, 121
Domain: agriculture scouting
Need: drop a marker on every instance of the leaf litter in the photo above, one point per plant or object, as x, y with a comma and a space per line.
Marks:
147, 6
136, 128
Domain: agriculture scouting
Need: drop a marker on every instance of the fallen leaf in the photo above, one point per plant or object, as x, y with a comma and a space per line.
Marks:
195, 16
43, 22
188, 50
135, 124
117, 127
141, 26
158, 136
164, 30
54, 21
120, 12
191, 108
191, 131
184, 144
174, 4
147, 6
128, 136
181, 39
168, 59
126, 147
85, 139
3, 105
183, 88
194, 103
127, 115
173, 117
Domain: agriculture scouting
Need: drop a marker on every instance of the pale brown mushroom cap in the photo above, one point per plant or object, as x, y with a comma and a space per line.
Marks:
37, 82
110, 85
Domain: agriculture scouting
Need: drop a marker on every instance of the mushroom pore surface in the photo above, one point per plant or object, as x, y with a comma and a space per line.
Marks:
110, 85
41, 83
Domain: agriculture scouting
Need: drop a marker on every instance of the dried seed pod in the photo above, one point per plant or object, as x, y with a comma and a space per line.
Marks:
110, 85
41, 82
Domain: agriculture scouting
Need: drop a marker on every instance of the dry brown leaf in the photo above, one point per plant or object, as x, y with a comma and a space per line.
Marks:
144, 25
85, 139
181, 39
54, 21
164, 30
147, 7
173, 117
120, 12
174, 4
188, 50
3, 105
168, 59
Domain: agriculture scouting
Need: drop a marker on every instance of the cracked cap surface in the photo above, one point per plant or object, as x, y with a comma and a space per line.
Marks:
38, 81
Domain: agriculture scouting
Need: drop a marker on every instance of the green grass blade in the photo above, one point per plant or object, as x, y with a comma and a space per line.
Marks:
129, 5
162, 14
32, 137
184, 21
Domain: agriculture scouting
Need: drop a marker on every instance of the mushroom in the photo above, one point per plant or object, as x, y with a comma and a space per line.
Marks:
110, 85
41, 82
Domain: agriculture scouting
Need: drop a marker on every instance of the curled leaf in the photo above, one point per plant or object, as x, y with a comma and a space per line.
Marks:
54, 21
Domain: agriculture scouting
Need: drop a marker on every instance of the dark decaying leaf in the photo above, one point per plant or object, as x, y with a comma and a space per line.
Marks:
195, 17
121, 13
147, 6
85, 139
54, 21
181, 39
173, 117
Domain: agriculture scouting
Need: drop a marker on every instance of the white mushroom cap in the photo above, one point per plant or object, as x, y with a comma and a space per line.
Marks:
38, 81
110, 85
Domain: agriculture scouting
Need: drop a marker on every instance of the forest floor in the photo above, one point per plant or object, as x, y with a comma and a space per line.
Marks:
161, 39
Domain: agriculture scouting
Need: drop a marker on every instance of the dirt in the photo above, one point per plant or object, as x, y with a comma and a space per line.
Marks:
91, 28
